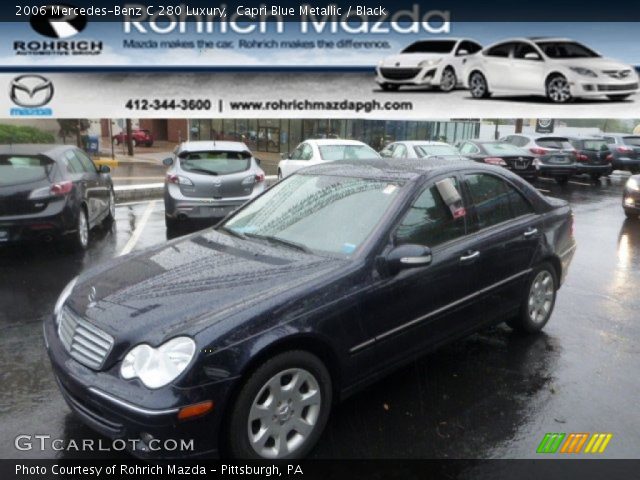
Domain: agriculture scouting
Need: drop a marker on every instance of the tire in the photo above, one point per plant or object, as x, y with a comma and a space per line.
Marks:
562, 180
448, 81
389, 87
630, 215
111, 215
79, 242
618, 98
282, 411
478, 86
538, 302
558, 89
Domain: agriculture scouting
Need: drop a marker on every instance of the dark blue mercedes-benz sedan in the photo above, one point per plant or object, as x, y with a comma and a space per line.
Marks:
243, 336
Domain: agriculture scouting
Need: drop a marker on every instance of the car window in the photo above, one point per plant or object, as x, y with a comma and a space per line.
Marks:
295, 155
215, 162
87, 165
388, 150
495, 200
331, 153
471, 47
609, 139
501, 50
517, 140
503, 148
554, 142
599, 145
434, 150
400, 151
566, 50
73, 162
18, 169
430, 221
522, 49
469, 148
634, 141
431, 46
307, 152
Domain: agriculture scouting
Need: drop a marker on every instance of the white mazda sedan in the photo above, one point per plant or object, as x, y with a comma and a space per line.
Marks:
558, 68
434, 63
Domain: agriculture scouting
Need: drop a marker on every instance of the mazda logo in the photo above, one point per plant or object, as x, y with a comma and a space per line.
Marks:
31, 91
54, 24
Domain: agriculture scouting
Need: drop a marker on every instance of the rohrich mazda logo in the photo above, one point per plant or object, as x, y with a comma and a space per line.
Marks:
56, 23
31, 93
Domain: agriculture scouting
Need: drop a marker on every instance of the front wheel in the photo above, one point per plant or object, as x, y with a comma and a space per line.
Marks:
618, 98
478, 86
539, 301
558, 89
448, 81
281, 409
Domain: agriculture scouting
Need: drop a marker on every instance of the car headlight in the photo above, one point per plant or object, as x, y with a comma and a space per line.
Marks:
157, 367
429, 63
632, 184
584, 72
63, 298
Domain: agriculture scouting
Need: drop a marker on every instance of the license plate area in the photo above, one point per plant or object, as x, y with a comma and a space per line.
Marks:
4, 235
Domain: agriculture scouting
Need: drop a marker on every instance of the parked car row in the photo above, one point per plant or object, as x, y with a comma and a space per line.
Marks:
559, 68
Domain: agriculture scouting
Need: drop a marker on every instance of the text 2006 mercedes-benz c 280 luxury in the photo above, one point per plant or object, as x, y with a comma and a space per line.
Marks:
243, 336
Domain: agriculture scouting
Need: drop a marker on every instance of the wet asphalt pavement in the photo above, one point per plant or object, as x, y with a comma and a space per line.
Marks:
492, 395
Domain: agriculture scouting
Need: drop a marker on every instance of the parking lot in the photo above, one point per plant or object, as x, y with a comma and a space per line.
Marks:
492, 395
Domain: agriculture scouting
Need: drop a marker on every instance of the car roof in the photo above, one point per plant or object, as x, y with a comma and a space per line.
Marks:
48, 149
405, 169
333, 141
535, 136
423, 142
212, 145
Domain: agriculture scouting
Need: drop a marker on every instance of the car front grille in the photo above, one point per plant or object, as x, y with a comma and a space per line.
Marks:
87, 344
619, 74
399, 73
617, 88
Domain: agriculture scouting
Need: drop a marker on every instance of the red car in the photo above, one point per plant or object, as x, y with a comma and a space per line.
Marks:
140, 137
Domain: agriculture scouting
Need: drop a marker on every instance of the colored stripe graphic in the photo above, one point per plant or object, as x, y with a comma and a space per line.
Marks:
598, 443
572, 443
550, 443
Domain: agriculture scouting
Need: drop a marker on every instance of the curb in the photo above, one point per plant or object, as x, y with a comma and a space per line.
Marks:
153, 191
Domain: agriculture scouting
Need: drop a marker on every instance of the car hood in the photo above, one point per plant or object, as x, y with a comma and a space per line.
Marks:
598, 63
186, 285
410, 59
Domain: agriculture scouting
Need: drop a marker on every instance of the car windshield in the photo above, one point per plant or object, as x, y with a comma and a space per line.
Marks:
332, 153
566, 50
635, 141
557, 143
502, 149
431, 46
431, 150
218, 162
319, 213
18, 169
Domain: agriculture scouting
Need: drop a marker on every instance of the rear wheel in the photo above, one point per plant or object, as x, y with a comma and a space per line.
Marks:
618, 98
80, 239
448, 81
281, 409
540, 298
478, 86
558, 89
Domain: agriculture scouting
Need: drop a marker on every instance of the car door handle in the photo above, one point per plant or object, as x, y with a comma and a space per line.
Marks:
469, 256
530, 233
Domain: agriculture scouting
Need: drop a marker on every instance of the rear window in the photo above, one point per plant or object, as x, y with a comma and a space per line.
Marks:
333, 153
558, 143
635, 141
503, 149
595, 145
430, 47
434, 150
215, 162
17, 169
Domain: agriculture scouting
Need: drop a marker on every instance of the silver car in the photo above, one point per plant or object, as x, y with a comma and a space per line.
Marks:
209, 179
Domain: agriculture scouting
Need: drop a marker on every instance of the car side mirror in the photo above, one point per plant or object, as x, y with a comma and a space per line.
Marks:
167, 161
407, 256
531, 56
463, 52
105, 169
258, 161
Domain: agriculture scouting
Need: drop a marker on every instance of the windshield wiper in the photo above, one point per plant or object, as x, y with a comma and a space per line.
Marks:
201, 170
280, 241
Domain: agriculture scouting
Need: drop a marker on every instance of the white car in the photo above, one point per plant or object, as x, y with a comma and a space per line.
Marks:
421, 149
558, 68
314, 152
436, 63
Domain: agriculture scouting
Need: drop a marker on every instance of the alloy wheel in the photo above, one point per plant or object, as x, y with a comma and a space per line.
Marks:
559, 90
478, 85
541, 296
448, 81
284, 413
83, 229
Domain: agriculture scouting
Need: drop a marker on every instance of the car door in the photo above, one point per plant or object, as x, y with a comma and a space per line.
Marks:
508, 233
528, 69
460, 58
497, 64
406, 313
96, 190
82, 181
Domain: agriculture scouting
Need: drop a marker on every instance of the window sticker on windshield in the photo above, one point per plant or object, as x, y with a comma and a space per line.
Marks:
348, 248
389, 189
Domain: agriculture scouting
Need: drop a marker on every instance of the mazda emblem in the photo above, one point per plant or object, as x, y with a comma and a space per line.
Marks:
31, 91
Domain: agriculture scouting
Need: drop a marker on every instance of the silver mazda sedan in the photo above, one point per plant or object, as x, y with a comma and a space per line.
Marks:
208, 180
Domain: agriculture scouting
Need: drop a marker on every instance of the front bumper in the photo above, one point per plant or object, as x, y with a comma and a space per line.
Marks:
602, 85
430, 75
149, 424
178, 206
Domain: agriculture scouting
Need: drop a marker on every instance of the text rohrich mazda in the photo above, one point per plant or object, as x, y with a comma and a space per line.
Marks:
558, 68
243, 336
